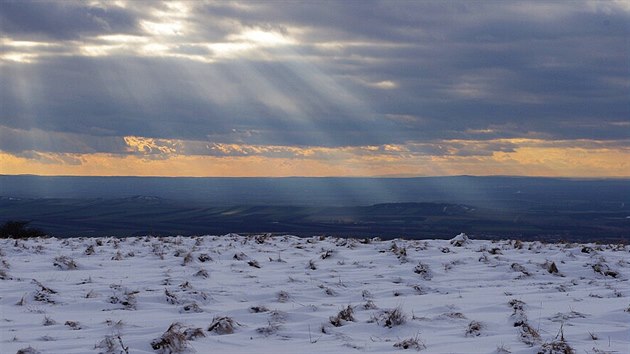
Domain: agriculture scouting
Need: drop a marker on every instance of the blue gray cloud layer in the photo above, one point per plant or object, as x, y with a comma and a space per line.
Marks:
338, 73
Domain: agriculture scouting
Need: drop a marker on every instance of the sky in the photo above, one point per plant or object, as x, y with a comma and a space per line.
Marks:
315, 88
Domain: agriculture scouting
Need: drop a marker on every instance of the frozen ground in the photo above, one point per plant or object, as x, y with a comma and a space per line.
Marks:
316, 295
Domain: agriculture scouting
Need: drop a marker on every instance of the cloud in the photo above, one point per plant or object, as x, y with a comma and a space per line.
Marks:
63, 20
231, 79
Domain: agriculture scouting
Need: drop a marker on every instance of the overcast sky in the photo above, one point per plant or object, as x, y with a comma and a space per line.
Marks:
317, 88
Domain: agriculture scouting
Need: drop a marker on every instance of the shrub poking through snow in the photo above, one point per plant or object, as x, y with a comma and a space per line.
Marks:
118, 256
202, 273
188, 258
459, 240
519, 268
223, 325
603, 269
558, 346
64, 263
240, 256
311, 265
269, 329
283, 296
43, 294
326, 254
424, 270
411, 343
254, 263
170, 297
474, 329
28, 350
89, 251
390, 318
258, 309
345, 315
48, 321
172, 341
190, 308
204, 257
528, 334
112, 344
73, 325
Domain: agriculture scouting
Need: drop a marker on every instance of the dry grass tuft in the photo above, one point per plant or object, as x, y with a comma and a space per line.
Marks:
223, 325
172, 341
345, 315
390, 318
474, 329
28, 350
424, 270
411, 343
75, 325
65, 263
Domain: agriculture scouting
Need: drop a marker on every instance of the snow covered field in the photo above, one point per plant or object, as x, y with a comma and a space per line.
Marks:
236, 294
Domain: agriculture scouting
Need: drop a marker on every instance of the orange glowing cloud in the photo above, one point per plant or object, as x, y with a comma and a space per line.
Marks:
150, 157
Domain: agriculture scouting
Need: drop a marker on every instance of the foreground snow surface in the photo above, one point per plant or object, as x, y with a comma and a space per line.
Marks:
283, 295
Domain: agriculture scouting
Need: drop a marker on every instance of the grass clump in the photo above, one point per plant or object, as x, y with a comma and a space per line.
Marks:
411, 343
223, 325
390, 318
345, 315
65, 263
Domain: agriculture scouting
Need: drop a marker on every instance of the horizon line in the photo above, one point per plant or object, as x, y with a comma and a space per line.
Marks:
324, 177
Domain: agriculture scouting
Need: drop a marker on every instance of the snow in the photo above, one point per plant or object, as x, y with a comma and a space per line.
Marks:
281, 294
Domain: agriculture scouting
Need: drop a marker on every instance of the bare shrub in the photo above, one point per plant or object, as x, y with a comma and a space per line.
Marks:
519, 268
558, 346
75, 325
254, 263
202, 273
28, 350
528, 334
170, 297
44, 293
48, 321
118, 256
424, 270
4, 275
411, 343
188, 258
327, 290
223, 325
552, 268
258, 309
191, 308
240, 256
112, 344
311, 265
204, 257
326, 254
390, 318
459, 240
283, 296
502, 350
269, 329
603, 269
369, 305
345, 315
89, 250
64, 263
172, 341
474, 329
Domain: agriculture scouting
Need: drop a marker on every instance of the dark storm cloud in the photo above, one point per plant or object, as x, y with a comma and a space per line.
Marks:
356, 73
62, 20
